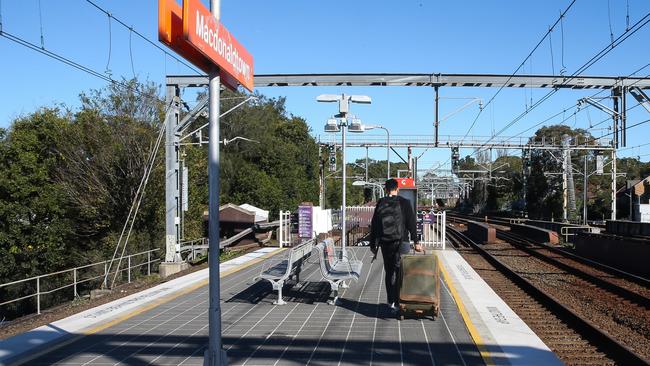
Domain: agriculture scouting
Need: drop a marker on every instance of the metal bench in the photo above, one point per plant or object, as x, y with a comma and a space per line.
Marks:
279, 272
336, 268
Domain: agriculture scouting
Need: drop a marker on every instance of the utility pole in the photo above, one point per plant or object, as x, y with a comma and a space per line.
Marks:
436, 121
585, 196
214, 355
613, 216
321, 178
564, 184
366, 163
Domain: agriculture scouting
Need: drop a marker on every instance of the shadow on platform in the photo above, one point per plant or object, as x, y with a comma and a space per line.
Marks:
305, 292
283, 348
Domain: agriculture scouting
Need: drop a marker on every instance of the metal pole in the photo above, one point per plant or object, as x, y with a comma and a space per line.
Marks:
613, 217
343, 210
74, 278
171, 175
387, 153
623, 116
585, 183
564, 185
129, 270
38, 295
436, 122
366, 164
280, 229
215, 355
149, 263
321, 177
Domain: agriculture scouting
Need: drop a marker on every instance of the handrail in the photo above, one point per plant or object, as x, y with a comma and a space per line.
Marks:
564, 230
75, 280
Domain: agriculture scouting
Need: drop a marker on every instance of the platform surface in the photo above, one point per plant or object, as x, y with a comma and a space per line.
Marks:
499, 331
255, 332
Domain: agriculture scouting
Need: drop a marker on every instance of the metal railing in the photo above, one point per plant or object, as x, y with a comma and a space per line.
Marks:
195, 248
567, 231
77, 277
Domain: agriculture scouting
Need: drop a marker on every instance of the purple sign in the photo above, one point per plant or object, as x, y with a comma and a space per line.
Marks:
305, 222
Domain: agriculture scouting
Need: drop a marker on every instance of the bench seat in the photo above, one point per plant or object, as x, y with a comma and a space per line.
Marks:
289, 267
336, 268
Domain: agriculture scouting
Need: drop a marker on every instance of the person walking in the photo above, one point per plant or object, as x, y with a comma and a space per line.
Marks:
392, 222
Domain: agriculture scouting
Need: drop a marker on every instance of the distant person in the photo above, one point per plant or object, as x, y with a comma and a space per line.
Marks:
392, 222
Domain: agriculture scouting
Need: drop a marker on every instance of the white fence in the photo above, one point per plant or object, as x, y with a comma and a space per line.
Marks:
359, 215
322, 220
284, 231
434, 234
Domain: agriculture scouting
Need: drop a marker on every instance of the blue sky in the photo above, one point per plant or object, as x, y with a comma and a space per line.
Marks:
345, 36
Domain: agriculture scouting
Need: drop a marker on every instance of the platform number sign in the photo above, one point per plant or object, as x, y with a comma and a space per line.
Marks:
332, 157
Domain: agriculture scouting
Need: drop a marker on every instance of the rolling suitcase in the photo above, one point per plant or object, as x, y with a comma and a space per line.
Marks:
419, 286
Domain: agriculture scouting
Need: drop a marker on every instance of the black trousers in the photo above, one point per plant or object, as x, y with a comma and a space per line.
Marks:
392, 260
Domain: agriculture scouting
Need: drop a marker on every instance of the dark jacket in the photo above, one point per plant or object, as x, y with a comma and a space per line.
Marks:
407, 215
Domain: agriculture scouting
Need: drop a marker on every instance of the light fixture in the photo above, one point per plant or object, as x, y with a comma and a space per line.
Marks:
332, 125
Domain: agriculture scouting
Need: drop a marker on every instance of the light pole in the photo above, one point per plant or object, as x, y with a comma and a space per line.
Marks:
366, 183
359, 127
334, 125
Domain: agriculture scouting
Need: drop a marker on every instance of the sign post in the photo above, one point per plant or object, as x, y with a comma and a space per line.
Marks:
195, 33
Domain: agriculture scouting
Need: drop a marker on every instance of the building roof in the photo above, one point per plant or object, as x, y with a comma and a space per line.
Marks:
260, 214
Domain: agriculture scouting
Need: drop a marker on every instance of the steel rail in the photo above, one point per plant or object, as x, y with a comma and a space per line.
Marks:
641, 281
621, 353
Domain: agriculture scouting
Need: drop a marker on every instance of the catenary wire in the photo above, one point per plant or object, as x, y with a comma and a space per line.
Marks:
637, 26
145, 38
517, 69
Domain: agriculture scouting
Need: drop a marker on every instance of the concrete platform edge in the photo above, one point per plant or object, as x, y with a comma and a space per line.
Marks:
504, 337
29, 345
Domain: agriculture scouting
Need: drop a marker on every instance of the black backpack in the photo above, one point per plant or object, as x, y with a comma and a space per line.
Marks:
389, 211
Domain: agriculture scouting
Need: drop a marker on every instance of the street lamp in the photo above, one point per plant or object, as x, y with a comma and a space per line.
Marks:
357, 127
334, 125
366, 183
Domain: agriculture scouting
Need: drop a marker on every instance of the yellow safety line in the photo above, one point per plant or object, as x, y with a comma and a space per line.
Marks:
142, 309
485, 353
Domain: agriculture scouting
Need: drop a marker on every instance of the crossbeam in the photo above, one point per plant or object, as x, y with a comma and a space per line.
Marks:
430, 80
485, 142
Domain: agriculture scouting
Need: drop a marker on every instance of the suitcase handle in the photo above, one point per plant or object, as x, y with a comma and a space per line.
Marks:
424, 251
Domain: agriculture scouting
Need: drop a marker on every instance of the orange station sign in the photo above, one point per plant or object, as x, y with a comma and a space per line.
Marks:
192, 32
405, 183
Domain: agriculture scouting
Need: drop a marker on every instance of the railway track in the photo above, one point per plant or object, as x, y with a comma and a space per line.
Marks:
555, 303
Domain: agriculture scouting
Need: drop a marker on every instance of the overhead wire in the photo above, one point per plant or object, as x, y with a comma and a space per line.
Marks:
633, 147
137, 200
145, 38
637, 26
518, 68
566, 109
629, 126
73, 64
559, 20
